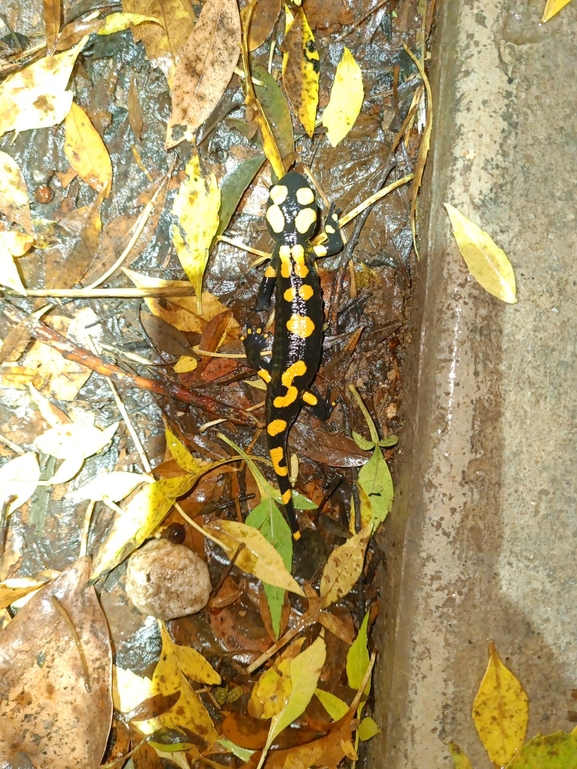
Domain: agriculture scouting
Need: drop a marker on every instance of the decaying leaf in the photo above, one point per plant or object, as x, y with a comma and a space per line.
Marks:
74, 440
114, 486
276, 110
14, 193
487, 263
86, 151
500, 711
36, 96
346, 99
300, 68
13, 243
253, 553
118, 22
204, 66
264, 18
550, 751
18, 480
343, 568
460, 758
17, 587
196, 207
553, 7
56, 681
335, 707
271, 692
52, 18
182, 455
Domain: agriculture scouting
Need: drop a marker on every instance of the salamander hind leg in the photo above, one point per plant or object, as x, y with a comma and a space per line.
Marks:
255, 342
320, 407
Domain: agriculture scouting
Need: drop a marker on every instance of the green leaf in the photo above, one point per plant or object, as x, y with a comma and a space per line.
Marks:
300, 502
375, 480
264, 487
362, 443
390, 440
233, 186
335, 707
275, 108
460, 758
368, 728
243, 753
550, 751
358, 657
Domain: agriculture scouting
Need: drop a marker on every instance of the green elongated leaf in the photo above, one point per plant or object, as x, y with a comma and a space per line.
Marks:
276, 109
368, 728
358, 657
264, 487
243, 753
550, 751
460, 758
267, 518
376, 481
305, 670
362, 443
233, 187
335, 707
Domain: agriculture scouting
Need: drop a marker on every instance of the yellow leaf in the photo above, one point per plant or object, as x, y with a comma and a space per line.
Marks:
300, 68
487, 263
185, 364
12, 244
368, 728
343, 568
346, 99
188, 712
194, 665
74, 440
18, 480
71, 466
86, 151
553, 7
128, 689
36, 96
49, 412
335, 707
14, 193
500, 711
271, 692
182, 455
13, 589
253, 554
118, 22
305, 670
460, 758
196, 207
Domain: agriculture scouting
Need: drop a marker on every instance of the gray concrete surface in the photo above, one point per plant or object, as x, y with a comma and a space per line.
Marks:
481, 542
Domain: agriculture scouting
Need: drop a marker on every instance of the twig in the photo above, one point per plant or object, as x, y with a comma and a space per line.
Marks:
11, 445
71, 351
108, 293
244, 247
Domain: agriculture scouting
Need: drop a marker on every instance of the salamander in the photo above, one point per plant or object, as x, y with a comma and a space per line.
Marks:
289, 371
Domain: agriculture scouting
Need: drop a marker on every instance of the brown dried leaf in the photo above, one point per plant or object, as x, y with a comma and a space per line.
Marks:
14, 193
56, 701
205, 66
52, 18
262, 23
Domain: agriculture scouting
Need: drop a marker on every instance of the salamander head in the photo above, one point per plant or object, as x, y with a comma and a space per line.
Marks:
292, 212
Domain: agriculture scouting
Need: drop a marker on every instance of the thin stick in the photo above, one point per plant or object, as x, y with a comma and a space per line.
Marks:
108, 293
13, 446
86, 528
244, 247
204, 533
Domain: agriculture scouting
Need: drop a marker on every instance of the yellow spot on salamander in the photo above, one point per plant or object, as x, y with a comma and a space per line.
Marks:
270, 272
275, 218
297, 252
305, 220
286, 497
285, 269
306, 292
296, 535
310, 399
264, 375
305, 196
278, 194
277, 455
300, 325
281, 402
320, 250
330, 229
276, 426
289, 295
297, 369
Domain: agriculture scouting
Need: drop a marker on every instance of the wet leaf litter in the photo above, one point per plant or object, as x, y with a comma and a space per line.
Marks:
103, 338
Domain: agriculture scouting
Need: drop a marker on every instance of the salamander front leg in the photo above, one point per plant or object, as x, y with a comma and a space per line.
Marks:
334, 242
255, 342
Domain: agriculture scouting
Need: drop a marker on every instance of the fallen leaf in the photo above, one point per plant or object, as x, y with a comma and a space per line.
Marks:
264, 18
500, 711
550, 751
204, 66
36, 96
114, 486
257, 557
74, 440
13, 244
189, 661
346, 99
335, 707
487, 263
300, 68
553, 7
233, 187
134, 109
460, 758
14, 193
18, 587
343, 568
49, 412
358, 658
86, 151
182, 455
128, 689
274, 104
56, 705
196, 208
118, 22
368, 728
377, 484
18, 480
271, 692
52, 18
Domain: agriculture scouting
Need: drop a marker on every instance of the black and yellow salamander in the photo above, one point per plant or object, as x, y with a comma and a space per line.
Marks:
291, 218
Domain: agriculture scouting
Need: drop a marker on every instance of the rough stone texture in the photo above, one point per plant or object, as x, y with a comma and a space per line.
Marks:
167, 580
481, 542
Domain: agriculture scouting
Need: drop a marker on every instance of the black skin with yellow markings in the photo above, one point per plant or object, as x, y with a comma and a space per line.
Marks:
292, 215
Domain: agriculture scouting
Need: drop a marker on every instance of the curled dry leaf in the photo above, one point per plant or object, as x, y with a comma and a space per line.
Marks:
300, 68
18, 480
56, 704
18, 587
500, 711
14, 193
257, 556
346, 99
36, 96
204, 66
343, 568
487, 263
86, 151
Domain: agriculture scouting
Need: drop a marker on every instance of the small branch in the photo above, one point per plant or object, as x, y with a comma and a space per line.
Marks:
107, 293
244, 247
